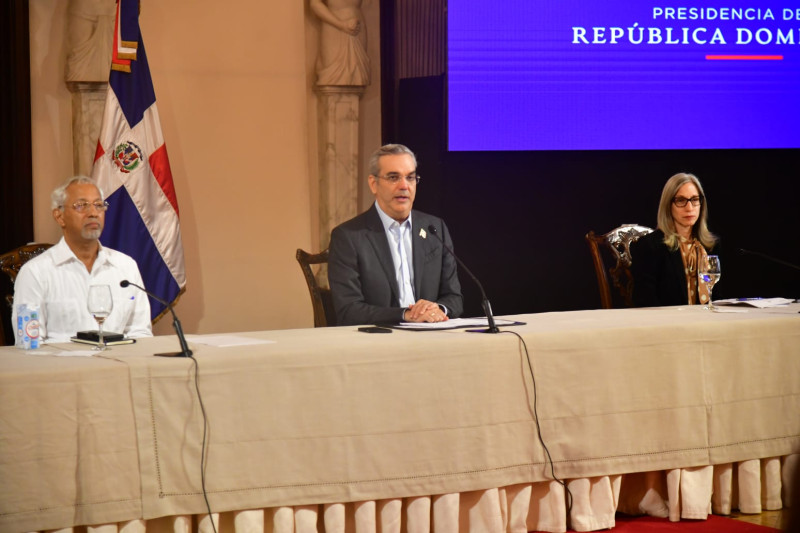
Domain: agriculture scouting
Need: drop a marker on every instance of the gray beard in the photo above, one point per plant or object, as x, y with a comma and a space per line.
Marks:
91, 234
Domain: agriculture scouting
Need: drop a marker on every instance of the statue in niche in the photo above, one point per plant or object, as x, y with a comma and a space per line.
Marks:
90, 34
342, 58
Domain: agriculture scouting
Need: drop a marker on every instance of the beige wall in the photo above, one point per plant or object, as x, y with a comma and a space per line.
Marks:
51, 111
233, 84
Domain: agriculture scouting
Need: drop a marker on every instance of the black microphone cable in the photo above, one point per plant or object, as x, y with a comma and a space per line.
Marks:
203, 445
538, 427
186, 352
493, 329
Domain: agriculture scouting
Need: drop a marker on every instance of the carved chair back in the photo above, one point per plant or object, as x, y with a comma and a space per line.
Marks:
611, 255
11, 262
321, 300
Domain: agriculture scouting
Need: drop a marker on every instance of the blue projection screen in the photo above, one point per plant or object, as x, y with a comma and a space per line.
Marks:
623, 75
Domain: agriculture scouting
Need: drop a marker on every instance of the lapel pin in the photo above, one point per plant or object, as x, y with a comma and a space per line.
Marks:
422, 233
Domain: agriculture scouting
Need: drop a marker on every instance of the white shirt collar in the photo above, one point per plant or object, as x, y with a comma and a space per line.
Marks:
388, 221
62, 253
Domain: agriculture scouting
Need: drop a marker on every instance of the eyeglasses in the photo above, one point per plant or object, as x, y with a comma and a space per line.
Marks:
80, 207
680, 201
411, 179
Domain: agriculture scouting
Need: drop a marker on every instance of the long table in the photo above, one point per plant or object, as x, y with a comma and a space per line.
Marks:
333, 417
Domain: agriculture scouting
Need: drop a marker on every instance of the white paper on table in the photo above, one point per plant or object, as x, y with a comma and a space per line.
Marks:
761, 303
222, 341
729, 309
455, 323
63, 353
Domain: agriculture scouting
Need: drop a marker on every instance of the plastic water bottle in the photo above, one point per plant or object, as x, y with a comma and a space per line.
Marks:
27, 327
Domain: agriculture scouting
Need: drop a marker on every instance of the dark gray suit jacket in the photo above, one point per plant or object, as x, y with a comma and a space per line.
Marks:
362, 275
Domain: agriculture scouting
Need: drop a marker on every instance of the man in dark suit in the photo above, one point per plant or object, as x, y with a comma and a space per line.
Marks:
384, 265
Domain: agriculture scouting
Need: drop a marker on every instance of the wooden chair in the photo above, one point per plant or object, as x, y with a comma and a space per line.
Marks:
11, 262
615, 262
321, 299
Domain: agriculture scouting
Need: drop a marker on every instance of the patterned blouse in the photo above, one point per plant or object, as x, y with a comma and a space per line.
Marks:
693, 254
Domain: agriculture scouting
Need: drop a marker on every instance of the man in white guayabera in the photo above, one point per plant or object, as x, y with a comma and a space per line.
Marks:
57, 281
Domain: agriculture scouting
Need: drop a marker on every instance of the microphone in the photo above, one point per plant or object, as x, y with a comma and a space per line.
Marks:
768, 258
185, 351
487, 307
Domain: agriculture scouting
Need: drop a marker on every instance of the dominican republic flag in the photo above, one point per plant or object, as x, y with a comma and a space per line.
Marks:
132, 168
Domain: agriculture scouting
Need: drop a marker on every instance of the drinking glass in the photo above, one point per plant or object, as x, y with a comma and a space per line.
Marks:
709, 273
100, 304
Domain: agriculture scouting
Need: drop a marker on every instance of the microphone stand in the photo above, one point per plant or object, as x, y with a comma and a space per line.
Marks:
771, 259
487, 307
768, 258
176, 324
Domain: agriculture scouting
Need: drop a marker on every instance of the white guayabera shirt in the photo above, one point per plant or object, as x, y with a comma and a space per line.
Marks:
57, 282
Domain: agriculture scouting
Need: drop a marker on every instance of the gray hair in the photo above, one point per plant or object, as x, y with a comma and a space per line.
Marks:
59, 195
666, 224
388, 149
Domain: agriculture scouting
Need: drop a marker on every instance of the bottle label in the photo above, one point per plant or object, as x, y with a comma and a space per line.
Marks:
32, 329
27, 327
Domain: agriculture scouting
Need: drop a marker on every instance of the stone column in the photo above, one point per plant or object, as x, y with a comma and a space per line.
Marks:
90, 34
342, 75
88, 102
338, 156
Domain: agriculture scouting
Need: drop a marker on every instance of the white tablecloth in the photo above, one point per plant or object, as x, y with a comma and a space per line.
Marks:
642, 410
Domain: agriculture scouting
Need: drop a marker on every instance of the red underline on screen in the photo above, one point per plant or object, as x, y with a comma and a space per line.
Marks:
744, 58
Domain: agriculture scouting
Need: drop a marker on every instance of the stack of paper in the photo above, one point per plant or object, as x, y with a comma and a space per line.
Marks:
761, 303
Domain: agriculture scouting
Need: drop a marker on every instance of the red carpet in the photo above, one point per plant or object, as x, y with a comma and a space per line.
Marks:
714, 524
